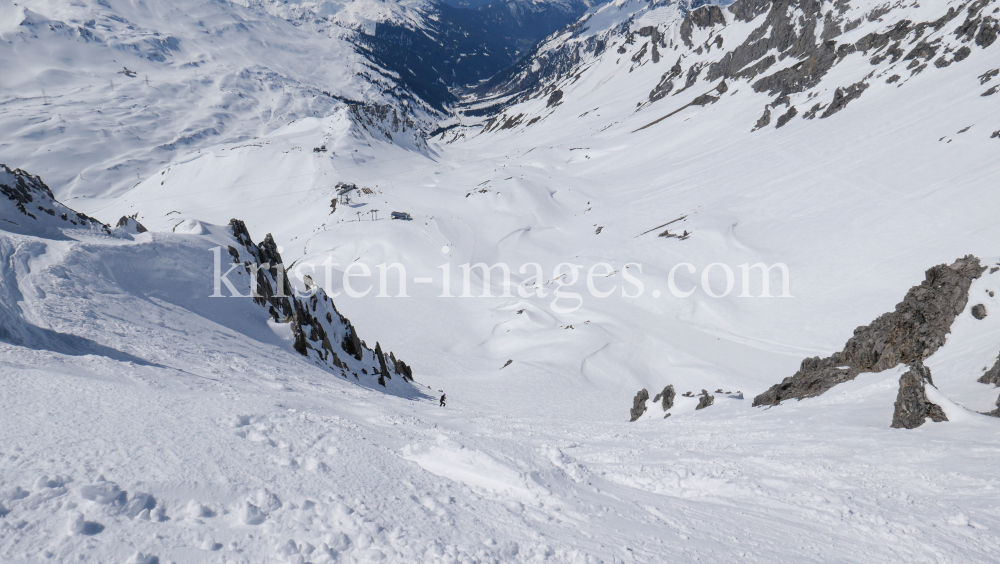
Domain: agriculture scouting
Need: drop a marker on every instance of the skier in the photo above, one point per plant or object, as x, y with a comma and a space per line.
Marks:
443, 396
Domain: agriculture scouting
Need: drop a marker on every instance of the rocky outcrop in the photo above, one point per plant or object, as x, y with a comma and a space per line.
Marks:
786, 117
991, 376
910, 333
912, 407
666, 396
790, 47
319, 331
764, 120
34, 210
979, 311
702, 17
639, 404
704, 400
130, 223
842, 96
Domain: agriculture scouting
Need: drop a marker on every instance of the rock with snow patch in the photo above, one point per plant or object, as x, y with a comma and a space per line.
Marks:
28, 207
912, 408
130, 224
705, 400
639, 404
666, 397
913, 331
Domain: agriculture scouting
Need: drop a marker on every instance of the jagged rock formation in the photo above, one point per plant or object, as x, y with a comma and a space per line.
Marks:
320, 331
130, 223
639, 404
912, 407
704, 400
667, 396
666, 400
910, 333
29, 198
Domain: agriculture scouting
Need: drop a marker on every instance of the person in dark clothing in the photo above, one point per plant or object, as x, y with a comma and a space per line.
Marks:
443, 396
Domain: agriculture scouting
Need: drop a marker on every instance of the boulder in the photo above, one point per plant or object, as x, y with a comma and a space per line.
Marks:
912, 407
667, 397
705, 399
639, 404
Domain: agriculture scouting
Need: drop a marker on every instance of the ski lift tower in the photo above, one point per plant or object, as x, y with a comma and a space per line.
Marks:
344, 192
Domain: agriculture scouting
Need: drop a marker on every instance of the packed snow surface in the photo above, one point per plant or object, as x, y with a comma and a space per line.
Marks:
143, 421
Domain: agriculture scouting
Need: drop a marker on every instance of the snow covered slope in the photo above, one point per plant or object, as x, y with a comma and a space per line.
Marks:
200, 73
57, 253
533, 459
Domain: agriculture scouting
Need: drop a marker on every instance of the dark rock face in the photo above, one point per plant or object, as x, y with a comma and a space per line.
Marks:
401, 368
705, 399
130, 221
991, 376
383, 370
842, 96
909, 334
786, 117
703, 17
667, 395
320, 332
979, 311
30, 196
764, 119
912, 407
639, 404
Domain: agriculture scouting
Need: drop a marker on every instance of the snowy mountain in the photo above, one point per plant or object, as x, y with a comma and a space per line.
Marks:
776, 219
806, 59
130, 261
134, 86
120, 89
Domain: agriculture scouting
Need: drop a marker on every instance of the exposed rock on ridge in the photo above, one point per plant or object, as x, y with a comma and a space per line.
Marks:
33, 201
907, 335
787, 52
320, 331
